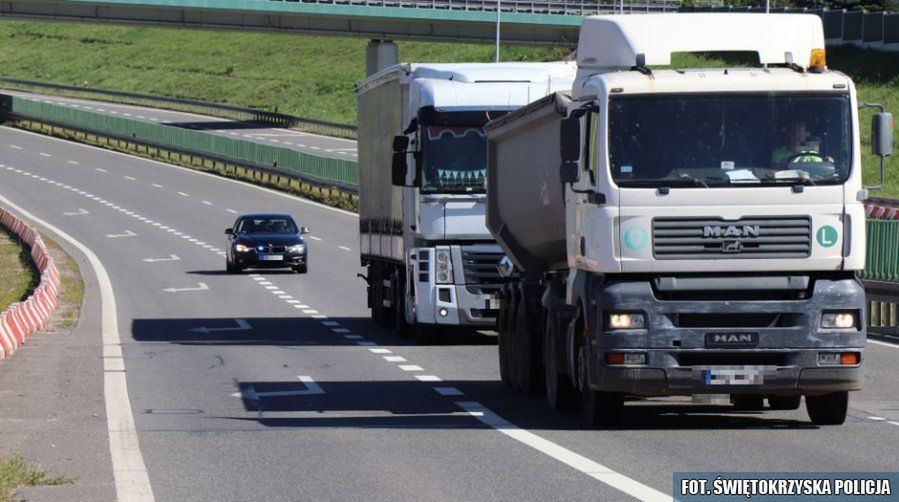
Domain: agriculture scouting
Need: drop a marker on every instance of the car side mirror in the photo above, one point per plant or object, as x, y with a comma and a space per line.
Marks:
304, 230
400, 143
399, 169
570, 139
882, 134
229, 231
569, 172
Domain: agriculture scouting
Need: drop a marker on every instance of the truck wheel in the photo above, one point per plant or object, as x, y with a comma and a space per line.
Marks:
748, 403
829, 409
560, 394
601, 408
784, 402
502, 338
509, 340
528, 343
424, 334
403, 328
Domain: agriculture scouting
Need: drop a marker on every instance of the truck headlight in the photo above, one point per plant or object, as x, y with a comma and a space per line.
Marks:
444, 266
298, 248
242, 248
838, 320
621, 320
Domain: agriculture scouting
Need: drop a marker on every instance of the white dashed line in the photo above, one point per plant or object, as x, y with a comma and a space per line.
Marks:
395, 359
428, 378
381, 351
231, 211
45, 154
207, 202
893, 423
344, 248
878, 419
73, 162
183, 194
315, 238
449, 391
156, 185
411, 367
129, 178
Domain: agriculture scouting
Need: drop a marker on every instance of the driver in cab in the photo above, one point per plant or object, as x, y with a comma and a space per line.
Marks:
801, 148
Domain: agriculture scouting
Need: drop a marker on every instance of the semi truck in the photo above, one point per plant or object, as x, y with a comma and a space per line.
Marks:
431, 263
685, 232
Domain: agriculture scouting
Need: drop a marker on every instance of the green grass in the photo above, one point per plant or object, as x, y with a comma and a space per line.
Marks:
299, 75
17, 276
16, 472
312, 76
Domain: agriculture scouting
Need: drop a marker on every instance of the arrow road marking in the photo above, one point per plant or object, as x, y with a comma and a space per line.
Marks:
242, 325
174, 257
200, 287
78, 213
249, 393
128, 233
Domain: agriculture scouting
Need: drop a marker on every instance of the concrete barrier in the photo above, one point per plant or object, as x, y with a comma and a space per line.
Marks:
22, 319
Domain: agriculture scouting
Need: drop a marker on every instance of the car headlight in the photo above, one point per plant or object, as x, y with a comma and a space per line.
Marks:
242, 248
297, 248
444, 266
838, 320
621, 320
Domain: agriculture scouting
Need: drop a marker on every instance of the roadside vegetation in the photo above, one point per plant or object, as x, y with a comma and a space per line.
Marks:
313, 76
16, 472
71, 289
17, 274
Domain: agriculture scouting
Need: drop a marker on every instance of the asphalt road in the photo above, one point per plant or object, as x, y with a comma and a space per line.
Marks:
229, 413
324, 146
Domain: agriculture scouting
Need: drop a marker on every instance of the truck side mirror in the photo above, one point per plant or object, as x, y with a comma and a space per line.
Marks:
304, 230
569, 172
882, 134
399, 169
570, 139
400, 143
229, 231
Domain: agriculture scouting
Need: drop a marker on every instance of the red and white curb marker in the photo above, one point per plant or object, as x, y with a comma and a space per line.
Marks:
879, 211
22, 319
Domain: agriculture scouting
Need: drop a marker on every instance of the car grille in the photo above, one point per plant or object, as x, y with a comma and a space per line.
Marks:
271, 249
481, 268
716, 238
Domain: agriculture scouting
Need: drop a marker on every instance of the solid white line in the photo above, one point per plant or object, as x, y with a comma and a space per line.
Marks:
600, 472
129, 471
885, 344
411, 367
893, 423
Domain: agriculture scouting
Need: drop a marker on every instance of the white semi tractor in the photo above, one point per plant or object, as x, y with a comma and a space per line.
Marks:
685, 231
422, 168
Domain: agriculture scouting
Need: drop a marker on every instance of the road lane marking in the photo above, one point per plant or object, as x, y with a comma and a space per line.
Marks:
73, 162
310, 311
344, 248
878, 419
242, 325
893, 423
381, 351
354, 337
201, 286
366, 344
410, 367
315, 238
395, 359
207, 202
331, 323
15, 147
155, 185
448, 391
128, 233
583, 464
129, 178
428, 378
45, 154
231, 211
132, 483
77, 213
340, 330
172, 257
183, 194
885, 344
312, 388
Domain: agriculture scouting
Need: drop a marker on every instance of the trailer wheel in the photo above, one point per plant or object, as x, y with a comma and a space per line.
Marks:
560, 394
829, 409
784, 402
528, 343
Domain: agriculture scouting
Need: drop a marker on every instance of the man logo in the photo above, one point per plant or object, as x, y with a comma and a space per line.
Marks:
712, 231
731, 339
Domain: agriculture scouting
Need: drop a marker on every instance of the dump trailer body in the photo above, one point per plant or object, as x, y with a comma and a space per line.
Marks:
525, 198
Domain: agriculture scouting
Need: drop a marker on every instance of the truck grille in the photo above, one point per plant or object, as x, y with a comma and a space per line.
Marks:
716, 238
481, 269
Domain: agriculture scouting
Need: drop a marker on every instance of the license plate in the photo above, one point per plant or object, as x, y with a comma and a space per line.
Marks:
733, 375
731, 340
493, 304
271, 257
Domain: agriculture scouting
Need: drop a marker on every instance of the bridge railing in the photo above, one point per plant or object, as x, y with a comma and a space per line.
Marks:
188, 105
558, 7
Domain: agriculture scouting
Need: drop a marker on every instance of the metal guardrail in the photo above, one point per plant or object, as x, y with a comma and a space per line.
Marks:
311, 169
557, 7
191, 106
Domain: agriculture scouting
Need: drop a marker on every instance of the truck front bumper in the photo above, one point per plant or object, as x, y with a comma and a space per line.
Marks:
786, 358
460, 305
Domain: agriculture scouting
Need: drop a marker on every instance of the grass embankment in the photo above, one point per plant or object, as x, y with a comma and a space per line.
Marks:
311, 76
16, 472
17, 274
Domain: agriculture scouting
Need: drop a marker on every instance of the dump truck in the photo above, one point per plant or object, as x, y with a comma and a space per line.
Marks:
685, 232
430, 261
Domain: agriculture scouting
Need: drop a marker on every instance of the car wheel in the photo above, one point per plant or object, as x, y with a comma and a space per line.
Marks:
231, 268
300, 269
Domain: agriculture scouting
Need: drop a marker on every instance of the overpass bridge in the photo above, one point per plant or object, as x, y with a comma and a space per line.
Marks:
530, 22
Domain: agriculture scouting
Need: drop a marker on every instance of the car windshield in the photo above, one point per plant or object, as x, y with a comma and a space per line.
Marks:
455, 159
267, 225
708, 141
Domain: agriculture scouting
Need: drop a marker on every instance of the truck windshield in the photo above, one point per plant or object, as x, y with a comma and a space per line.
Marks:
454, 159
708, 141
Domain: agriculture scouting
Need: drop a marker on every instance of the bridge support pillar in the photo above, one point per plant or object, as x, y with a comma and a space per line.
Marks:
380, 54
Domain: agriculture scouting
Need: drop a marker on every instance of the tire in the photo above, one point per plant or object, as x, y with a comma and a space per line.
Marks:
601, 408
232, 269
403, 328
560, 394
829, 409
748, 403
424, 334
784, 402
502, 338
529, 342
301, 269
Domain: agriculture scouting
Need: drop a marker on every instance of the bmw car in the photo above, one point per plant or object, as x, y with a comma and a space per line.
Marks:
266, 240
